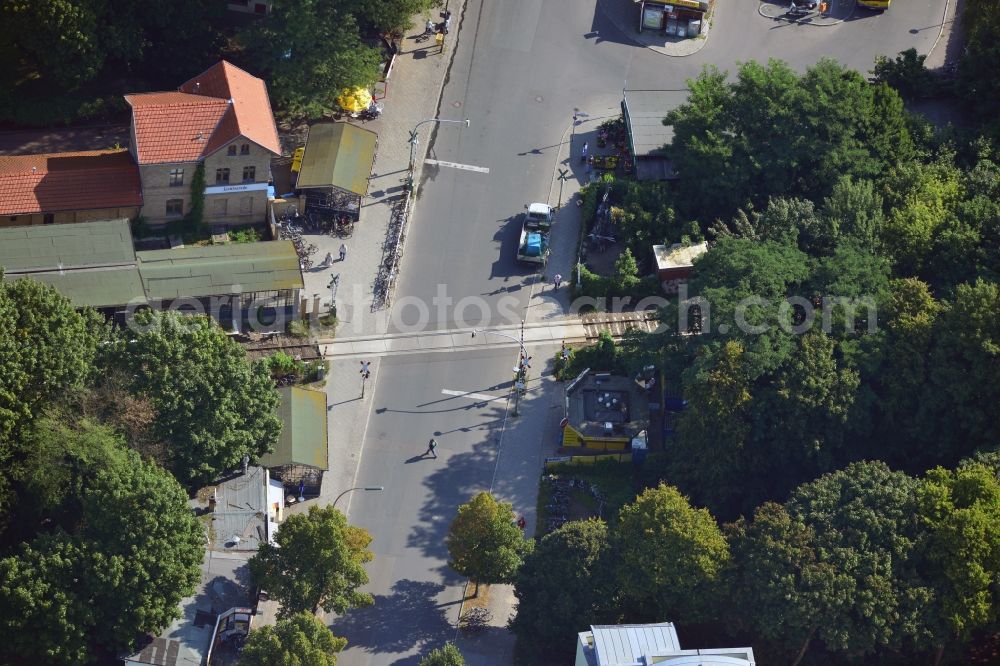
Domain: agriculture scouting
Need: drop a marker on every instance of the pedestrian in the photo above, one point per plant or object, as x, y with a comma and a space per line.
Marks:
343, 252
521, 522
429, 28
328, 260
557, 281
447, 23
431, 446
583, 152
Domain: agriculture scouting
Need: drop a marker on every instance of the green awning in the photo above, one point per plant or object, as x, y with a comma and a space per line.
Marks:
94, 288
338, 155
60, 246
303, 430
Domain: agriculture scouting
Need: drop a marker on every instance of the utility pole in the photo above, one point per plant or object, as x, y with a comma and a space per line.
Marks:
414, 140
523, 362
365, 374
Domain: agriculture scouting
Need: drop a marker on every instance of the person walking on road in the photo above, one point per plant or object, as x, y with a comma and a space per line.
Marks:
431, 447
343, 252
583, 152
557, 281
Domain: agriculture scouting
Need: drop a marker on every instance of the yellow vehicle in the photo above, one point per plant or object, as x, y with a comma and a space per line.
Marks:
875, 4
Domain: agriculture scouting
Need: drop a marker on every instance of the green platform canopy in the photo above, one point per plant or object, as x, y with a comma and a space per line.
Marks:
338, 155
303, 430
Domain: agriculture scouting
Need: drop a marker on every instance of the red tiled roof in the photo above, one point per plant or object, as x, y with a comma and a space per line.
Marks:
251, 108
174, 127
220, 104
68, 181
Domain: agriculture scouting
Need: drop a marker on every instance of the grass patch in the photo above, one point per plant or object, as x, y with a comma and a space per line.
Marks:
245, 234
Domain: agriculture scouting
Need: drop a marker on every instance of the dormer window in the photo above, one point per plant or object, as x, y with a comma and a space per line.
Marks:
245, 149
232, 150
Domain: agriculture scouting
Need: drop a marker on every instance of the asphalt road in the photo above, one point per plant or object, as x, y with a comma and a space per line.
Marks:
460, 399
521, 68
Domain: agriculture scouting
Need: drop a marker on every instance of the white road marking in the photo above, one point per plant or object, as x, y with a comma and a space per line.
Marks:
478, 397
456, 165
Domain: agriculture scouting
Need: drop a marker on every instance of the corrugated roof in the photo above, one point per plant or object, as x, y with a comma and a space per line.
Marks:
54, 182
78, 245
96, 288
209, 111
219, 269
303, 438
338, 155
645, 111
241, 511
625, 644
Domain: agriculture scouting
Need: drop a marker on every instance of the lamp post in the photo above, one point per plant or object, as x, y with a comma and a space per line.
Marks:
414, 139
521, 370
377, 488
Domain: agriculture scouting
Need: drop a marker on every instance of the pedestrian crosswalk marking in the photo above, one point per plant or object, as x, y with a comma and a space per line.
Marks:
478, 397
456, 165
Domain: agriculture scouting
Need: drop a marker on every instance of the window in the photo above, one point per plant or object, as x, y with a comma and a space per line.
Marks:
48, 218
175, 207
220, 207
176, 177
245, 149
222, 175
249, 174
232, 150
246, 205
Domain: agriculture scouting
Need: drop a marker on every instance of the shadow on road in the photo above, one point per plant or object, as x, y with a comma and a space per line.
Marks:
408, 618
464, 475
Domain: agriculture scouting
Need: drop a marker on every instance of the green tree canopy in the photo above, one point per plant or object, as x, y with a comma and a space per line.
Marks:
484, 543
317, 561
866, 527
565, 584
783, 589
444, 656
299, 640
310, 51
212, 404
961, 510
669, 556
119, 550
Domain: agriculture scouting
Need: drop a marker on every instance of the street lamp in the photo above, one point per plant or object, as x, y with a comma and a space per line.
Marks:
521, 370
334, 505
414, 140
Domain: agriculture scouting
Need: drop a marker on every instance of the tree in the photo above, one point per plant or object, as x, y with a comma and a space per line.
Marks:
906, 73
669, 556
310, 51
395, 14
855, 208
317, 561
212, 404
299, 640
782, 586
626, 272
709, 454
48, 353
961, 510
565, 584
964, 367
49, 349
444, 656
865, 526
484, 543
120, 550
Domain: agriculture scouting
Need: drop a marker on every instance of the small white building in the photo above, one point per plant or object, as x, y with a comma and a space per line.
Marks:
647, 644
674, 263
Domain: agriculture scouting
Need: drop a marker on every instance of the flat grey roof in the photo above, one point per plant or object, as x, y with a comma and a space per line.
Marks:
53, 246
644, 113
625, 644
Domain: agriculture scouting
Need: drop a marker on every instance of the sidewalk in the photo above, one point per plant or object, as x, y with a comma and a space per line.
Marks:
527, 440
413, 90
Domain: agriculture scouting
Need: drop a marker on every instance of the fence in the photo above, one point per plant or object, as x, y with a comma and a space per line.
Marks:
588, 460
